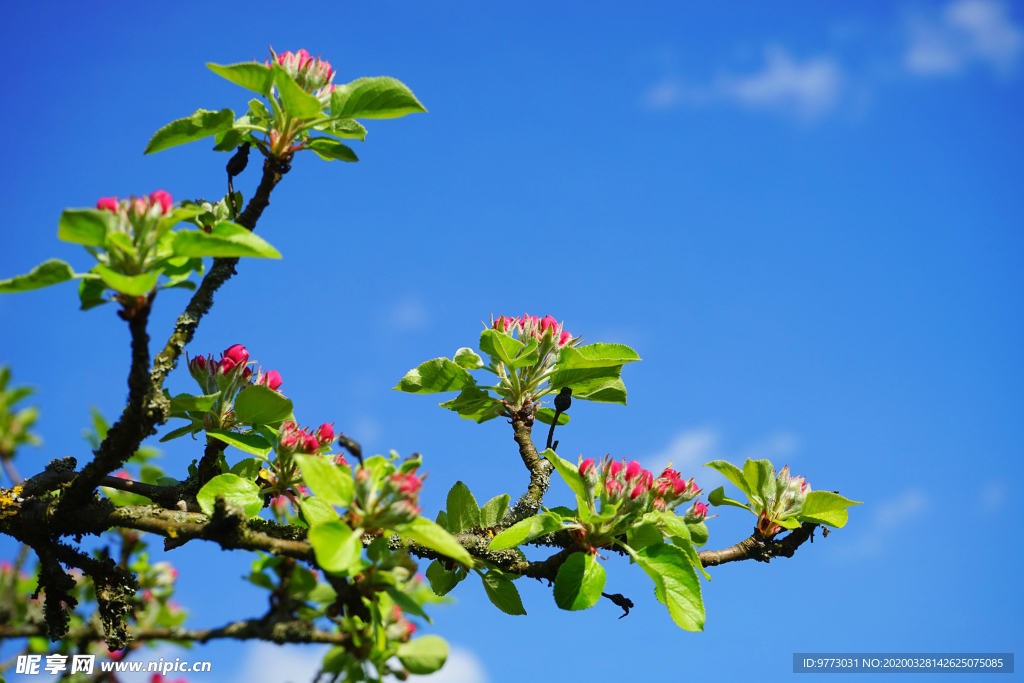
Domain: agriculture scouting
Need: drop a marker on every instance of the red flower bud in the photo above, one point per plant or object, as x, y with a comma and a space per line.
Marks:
226, 365
287, 426
633, 470
246, 373
310, 444
585, 466
564, 338
669, 473
108, 203
612, 488
163, 199
679, 486
289, 440
272, 380
326, 433
548, 323
614, 467
238, 354
638, 491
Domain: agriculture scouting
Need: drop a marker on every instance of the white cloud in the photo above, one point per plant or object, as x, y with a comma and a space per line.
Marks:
806, 90
462, 667
967, 32
410, 314
272, 663
687, 451
889, 516
774, 447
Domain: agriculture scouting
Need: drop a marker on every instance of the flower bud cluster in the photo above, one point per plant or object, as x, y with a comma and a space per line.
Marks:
790, 494
397, 627
388, 502
528, 327
155, 205
311, 74
292, 439
217, 375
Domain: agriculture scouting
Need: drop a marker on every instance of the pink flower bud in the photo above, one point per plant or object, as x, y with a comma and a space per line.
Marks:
679, 486
612, 488
326, 432
548, 323
287, 426
669, 473
163, 199
564, 338
238, 353
289, 440
108, 203
697, 513
659, 505
310, 444
586, 466
246, 373
614, 467
227, 365
272, 380
197, 365
340, 460
638, 491
633, 470
140, 206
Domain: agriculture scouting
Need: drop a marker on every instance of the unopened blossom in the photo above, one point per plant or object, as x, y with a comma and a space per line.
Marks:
325, 433
311, 74
237, 353
108, 204
697, 513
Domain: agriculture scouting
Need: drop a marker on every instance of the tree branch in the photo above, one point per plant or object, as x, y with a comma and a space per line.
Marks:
540, 470
755, 549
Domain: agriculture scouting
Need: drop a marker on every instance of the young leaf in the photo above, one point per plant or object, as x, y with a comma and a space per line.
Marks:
579, 582
296, 102
494, 510
730, 472
526, 530
132, 285
183, 403
200, 125
249, 75
718, 497
442, 581
226, 240
675, 583
374, 98
316, 511
234, 490
760, 478
247, 468
825, 507
423, 655
337, 548
331, 149
499, 346
48, 273
329, 482
601, 385
463, 511
259, 405
475, 403
435, 376
547, 415
503, 593
570, 473
596, 356
86, 226
250, 442
468, 358
90, 291
343, 128
428, 534
640, 536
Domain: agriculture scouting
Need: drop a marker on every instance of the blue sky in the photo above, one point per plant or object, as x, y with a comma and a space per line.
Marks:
806, 218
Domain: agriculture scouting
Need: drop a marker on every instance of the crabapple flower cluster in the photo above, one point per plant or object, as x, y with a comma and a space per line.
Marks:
311, 74
788, 501
231, 370
155, 205
386, 501
292, 439
527, 327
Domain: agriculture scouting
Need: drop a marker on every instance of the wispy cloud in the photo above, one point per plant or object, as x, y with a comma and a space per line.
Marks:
280, 663
805, 89
889, 516
686, 451
967, 32
462, 667
409, 314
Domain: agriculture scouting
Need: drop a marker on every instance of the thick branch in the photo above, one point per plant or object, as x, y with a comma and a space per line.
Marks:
754, 549
540, 469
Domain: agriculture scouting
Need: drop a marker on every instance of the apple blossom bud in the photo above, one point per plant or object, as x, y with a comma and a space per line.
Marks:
227, 365
237, 353
564, 338
163, 199
586, 466
109, 204
638, 491
669, 473
697, 513
548, 323
310, 444
612, 489
272, 380
325, 433
633, 470
614, 467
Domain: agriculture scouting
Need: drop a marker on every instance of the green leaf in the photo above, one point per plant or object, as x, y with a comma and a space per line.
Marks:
183, 403
247, 468
329, 482
405, 601
503, 593
676, 584
442, 519
494, 510
570, 473
642, 535
681, 535
343, 128
825, 507
547, 415
226, 240
428, 534
500, 346
423, 655
87, 226
338, 549
250, 442
526, 530
760, 478
730, 472
296, 102
718, 497
249, 75
579, 582
601, 384
234, 490
463, 511
317, 511
528, 356
331, 149
48, 273
90, 292
475, 404
193, 428
132, 285
259, 405
435, 376
200, 125
442, 580
374, 98
468, 358
595, 356
698, 533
